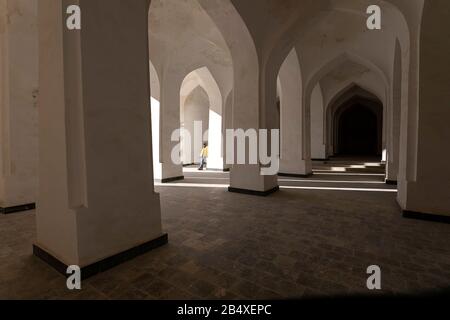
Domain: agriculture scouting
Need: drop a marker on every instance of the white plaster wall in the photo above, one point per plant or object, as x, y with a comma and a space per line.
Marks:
18, 102
318, 150
195, 109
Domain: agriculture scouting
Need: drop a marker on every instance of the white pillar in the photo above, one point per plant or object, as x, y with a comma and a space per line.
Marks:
227, 123
394, 123
156, 120
96, 196
249, 178
169, 123
254, 94
424, 184
318, 148
18, 99
295, 156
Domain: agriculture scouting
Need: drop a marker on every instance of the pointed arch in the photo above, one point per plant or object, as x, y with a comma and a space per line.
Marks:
338, 60
349, 96
203, 78
243, 53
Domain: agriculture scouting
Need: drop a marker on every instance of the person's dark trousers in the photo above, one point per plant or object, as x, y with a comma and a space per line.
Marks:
202, 164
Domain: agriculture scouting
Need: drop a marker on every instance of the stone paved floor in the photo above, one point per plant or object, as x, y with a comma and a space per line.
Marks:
305, 240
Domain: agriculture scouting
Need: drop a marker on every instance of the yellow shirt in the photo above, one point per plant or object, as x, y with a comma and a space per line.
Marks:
204, 152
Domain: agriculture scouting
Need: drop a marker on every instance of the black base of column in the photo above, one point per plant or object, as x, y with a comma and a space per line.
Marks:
253, 192
391, 182
167, 180
105, 264
326, 159
198, 164
21, 208
293, 175
217, 170
426, 216
189, 165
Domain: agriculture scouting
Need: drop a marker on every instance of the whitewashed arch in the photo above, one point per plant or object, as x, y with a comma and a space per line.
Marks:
352, 91
202, 77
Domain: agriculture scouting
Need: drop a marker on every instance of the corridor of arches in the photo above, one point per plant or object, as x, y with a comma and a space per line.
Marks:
358, 129
101, 131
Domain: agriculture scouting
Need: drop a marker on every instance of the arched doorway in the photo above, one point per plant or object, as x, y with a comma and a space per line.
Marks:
201, 118
358, 128
194, 122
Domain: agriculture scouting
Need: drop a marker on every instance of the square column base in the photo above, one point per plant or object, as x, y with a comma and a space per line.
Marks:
295, 175
20, 208
254, 192
168, 180
391, 182
426, 217
102, 265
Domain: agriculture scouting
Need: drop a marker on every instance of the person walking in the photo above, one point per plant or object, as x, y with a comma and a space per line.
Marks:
203, 156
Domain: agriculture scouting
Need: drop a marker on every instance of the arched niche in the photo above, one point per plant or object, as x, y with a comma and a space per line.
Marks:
193, 84
366, 74
194, 121
354, 116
